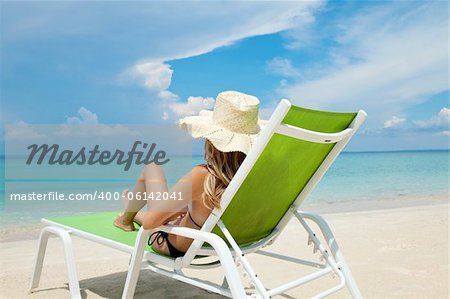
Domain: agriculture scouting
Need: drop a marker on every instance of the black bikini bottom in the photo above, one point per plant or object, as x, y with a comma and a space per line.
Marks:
161, 237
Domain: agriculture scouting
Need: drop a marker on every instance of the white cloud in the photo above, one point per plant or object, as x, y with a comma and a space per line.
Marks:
394, 122
87, 124
444, 133
192, 106
228, 23
281, 66
21, 131
155, 76
167, 96
85, 117
389, 57
441, 121
95, 130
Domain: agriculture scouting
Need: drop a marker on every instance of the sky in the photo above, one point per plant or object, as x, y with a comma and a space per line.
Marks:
150, 62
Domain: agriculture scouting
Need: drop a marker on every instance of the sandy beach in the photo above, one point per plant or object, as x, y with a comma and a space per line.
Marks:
395, 250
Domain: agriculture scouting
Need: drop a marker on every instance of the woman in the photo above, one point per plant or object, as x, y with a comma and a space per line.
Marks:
230, 131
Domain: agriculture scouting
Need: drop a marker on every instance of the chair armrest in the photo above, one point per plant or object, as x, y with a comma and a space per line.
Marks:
312, 136
195, 234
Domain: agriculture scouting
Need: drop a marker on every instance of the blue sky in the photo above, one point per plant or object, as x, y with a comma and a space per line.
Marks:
153, 62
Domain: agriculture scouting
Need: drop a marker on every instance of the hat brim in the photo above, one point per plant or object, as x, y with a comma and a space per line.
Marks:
203, 126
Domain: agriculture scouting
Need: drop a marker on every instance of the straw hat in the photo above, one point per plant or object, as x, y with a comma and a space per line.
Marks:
232, 126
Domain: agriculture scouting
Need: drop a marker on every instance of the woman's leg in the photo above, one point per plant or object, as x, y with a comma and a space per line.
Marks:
152, 179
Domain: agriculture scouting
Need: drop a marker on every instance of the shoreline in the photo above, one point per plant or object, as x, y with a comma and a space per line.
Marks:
378, 204
31, 231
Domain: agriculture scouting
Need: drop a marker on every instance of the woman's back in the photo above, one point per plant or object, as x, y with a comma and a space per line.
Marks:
197, 212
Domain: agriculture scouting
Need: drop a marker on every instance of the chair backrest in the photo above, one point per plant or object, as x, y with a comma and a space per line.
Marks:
295, 150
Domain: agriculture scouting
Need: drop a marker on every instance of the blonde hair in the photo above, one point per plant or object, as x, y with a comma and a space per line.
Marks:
222, 166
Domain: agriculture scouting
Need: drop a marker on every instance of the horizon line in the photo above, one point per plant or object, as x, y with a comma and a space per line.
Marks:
357, 152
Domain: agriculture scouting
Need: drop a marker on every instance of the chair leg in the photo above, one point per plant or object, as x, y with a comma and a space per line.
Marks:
247, 267
42, 246
74, 286
231, 274
135, 265
334, 247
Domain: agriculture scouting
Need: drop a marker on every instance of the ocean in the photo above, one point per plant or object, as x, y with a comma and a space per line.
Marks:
366, 176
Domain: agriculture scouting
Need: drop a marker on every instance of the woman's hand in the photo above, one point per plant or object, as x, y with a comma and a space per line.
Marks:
176, 216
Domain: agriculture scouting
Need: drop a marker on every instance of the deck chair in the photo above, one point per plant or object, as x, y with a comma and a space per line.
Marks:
293, 152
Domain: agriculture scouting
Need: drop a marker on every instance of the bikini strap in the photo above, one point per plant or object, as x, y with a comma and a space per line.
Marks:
160, 237
193, 221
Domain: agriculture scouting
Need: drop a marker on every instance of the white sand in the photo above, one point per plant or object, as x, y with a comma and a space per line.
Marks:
393, 253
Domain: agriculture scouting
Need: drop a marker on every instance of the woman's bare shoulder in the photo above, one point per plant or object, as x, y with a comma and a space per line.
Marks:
198, 174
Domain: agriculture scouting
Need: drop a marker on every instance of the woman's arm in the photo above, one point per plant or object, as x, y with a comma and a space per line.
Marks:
190, 185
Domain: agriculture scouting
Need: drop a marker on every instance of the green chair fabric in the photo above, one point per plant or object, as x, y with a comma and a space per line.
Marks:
100, 224
279, 175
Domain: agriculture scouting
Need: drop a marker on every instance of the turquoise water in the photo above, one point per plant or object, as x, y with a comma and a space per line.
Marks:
384, 175
353, 177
